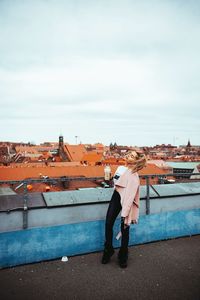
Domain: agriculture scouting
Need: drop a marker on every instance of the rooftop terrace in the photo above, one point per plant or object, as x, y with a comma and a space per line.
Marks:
161, 270
43, 227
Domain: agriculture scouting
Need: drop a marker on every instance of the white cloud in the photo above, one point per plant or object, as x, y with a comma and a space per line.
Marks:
102, 70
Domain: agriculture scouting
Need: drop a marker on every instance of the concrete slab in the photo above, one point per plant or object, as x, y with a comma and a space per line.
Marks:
177, 189
162, 270
6, 191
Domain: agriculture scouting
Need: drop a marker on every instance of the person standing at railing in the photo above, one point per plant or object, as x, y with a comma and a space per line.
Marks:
125, 198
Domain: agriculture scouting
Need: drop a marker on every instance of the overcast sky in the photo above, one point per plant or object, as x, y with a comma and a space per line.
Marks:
105, 71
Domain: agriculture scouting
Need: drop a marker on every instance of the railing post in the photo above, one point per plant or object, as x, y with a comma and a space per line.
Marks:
147, 196
25, 211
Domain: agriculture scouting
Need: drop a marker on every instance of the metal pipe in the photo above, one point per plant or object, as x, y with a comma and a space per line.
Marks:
147, 197
89, 178
25, 211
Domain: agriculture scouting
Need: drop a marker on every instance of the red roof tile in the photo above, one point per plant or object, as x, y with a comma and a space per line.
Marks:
92, 157
75, 152
21, 172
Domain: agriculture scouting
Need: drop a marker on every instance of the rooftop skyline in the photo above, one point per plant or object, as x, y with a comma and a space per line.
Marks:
117, 71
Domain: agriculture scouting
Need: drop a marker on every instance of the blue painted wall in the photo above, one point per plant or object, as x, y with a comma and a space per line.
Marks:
37, 244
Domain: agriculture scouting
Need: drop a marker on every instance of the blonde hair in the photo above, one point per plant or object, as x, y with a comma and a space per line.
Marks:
135, 161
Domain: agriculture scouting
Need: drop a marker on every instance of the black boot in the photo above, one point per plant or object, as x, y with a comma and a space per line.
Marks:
107, 253
123, 257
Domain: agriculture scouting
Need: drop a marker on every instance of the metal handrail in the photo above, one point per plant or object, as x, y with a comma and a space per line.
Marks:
49, 180
65, 179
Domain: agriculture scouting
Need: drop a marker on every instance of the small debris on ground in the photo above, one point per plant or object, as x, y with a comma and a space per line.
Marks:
64, 259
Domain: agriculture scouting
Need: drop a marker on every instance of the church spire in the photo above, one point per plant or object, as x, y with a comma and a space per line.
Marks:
188, 144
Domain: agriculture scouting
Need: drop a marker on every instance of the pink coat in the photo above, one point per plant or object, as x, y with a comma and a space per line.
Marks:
128, 187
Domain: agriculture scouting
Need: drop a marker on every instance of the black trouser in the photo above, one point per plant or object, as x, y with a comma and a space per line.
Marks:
112, 213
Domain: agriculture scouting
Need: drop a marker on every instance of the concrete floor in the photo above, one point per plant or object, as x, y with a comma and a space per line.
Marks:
162, 270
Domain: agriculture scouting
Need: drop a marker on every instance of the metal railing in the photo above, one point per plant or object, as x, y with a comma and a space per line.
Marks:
64, 179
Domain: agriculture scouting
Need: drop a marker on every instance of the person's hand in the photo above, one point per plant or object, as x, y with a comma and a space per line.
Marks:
122, 222
122, 219
134, 222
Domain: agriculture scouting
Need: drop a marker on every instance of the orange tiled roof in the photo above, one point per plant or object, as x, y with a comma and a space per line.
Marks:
99, 145
92, 157
34, 149
152, 169
114, 161
27, 149
75, 152
28, 171
22, 172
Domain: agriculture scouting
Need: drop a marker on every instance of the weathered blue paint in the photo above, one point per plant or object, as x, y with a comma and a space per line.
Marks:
165, 226
38, 244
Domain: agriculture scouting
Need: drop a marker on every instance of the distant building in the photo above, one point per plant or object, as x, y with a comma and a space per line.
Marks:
92, 159
61, 150
183, 167
4, 154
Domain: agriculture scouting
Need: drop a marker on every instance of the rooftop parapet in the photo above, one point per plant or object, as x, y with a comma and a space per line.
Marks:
50, 225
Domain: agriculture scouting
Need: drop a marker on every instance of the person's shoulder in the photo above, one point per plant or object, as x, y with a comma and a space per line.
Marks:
134, 176
137, 176
121, 169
